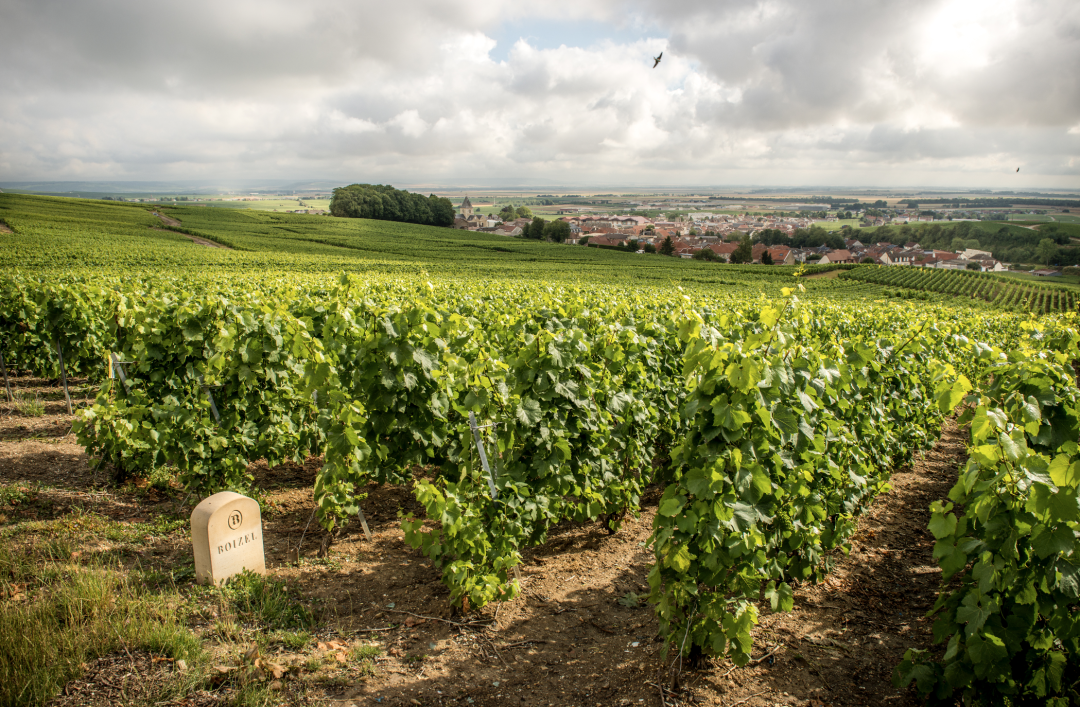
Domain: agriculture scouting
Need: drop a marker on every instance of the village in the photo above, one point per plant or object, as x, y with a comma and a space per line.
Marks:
721, 233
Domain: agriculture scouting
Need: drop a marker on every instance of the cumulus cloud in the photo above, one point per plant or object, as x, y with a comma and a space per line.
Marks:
764, 91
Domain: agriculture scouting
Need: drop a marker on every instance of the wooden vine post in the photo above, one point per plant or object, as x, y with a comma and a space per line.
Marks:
63, 376
7, 386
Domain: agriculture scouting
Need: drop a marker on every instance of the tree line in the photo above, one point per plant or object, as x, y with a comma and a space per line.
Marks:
541, 230
384, 202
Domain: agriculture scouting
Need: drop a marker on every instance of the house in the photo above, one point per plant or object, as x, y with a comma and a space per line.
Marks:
958, 264
971, 254
878, 255
904, 257
1046, 273
508, 229
605, 240
989, 264
724, 250
836, 256
782, 255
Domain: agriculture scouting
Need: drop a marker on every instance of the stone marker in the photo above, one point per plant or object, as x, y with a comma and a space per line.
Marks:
226, 532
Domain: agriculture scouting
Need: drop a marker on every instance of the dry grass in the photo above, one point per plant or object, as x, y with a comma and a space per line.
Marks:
57, 614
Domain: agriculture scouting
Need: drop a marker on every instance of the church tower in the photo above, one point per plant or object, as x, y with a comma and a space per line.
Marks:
466, 207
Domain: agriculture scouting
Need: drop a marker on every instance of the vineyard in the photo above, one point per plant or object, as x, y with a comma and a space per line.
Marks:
1002, 293
514, 387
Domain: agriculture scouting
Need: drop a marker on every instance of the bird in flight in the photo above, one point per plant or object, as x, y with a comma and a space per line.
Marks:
656, 60
1017, 169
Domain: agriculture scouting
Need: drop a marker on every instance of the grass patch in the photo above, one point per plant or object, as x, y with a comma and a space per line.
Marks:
82, 523
28, 405
254, 695
50, 630
364, 656
266, 601
16, 499
293, 640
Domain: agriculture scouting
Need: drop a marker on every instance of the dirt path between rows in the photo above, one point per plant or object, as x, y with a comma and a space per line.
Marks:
567, 640
195, 239
4, 228
824, 275
168, 221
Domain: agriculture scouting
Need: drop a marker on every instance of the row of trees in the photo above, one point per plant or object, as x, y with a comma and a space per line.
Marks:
510, 212
1011, 244
554, 231
384, 202
813, 237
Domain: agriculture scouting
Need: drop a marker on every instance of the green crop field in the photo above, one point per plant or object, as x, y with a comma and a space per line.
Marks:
762, 412
837, 225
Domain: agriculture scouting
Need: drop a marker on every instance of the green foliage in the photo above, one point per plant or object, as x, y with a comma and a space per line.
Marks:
779, 456
706, 254
586, 369
1047, 250
667, 246
535, 230
1010, 561
999, 291
742, 254
378, 201
557, 231
266, 601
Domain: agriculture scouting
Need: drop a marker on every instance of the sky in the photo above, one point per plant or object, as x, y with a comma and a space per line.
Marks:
949, 93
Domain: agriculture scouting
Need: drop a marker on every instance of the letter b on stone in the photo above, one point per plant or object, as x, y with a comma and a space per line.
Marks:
226, 535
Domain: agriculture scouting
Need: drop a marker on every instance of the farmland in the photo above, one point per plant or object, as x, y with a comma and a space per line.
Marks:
734, 429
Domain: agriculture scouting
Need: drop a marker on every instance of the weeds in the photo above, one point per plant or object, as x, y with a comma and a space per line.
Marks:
254, 695
293, 640
14, 496
364, 656
27, 405
85, 614
266, 600
228, 630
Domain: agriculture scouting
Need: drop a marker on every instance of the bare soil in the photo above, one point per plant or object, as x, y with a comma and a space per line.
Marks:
4, 228
195, 239
566, 640
824, 275
167, 220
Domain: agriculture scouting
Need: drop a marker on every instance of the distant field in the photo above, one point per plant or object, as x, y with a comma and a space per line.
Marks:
1041, 218
837, 225
287, 204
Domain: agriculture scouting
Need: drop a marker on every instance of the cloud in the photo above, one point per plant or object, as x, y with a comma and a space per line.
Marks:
764, 90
